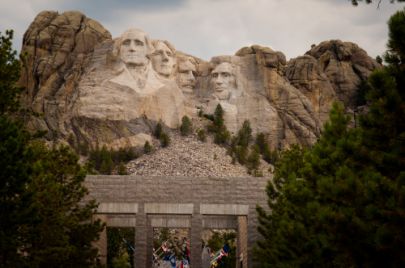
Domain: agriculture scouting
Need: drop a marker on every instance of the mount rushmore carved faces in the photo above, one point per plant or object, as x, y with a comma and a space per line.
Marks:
223, 80
186, 76
163, 58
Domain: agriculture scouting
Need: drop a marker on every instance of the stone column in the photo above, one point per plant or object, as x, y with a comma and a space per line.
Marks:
141, 239
101, 244
195, 243
242, 247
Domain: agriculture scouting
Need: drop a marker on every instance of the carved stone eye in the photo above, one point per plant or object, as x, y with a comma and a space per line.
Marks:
226, 75
214, 75
126, 42
139, 43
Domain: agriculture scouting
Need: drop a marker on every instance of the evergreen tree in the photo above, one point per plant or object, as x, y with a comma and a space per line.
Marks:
164, 139
9, 74
43, 220
14, 171
253, 161
221, 134
186, 126
158, 130
341, 203
62, 230
147, 148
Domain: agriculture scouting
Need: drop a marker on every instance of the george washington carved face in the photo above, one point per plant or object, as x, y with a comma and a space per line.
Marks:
134, 47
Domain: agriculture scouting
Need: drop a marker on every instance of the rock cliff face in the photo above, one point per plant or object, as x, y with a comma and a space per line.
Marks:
57, 48
85, 87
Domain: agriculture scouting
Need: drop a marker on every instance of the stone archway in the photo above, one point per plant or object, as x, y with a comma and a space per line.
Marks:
194, 203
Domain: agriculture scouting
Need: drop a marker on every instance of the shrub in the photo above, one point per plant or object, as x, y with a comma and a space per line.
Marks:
158, 130
164, 139
253, 161
186, 126
201, 135
147, 148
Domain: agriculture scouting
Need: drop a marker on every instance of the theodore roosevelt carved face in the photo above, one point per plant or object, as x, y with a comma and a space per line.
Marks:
223, 80
186, 75
163, 58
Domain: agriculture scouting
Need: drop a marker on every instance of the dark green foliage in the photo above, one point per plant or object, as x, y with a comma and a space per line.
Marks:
9, 74
119, 243
244, 134
239, 148
43, 220
106, 161
361, 92
356, 2
61, 232
341, 203
186, 127
396, 41
164, 139
200, 113
253, 161
15, 211
101, 160
222, 137
218, 240
147, 148
221, 134
162, 236
83, 148
160, 134
201, 135
158, 130
268, 155
122, 170
379, 59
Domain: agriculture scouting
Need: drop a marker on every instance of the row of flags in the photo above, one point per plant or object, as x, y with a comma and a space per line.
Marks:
167, 253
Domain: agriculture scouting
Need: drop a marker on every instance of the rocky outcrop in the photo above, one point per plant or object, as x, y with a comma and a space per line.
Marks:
57, 48
346, 65
87, 88
305, 74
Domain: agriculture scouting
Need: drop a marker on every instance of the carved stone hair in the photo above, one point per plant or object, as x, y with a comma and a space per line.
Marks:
119, 40
170, 46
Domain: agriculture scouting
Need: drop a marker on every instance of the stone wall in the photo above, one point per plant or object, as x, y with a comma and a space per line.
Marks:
195, 203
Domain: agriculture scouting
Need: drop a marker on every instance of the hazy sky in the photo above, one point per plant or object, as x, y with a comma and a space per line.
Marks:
207, 28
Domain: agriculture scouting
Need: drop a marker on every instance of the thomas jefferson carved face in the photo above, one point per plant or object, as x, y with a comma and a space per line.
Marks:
185, 76
223, 80
134, 48
163, 60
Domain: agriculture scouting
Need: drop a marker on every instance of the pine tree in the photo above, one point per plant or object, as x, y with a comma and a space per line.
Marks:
62, 231
43, 220
14, 171
341, 203
186, 126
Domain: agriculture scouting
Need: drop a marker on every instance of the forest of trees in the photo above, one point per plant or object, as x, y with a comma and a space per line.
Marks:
44, 221
341, 203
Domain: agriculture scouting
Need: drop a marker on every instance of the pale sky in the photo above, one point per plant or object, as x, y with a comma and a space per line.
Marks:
207, 28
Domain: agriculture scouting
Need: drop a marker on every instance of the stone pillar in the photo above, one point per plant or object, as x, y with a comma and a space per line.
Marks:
149, 243
195, 243
141, 239
101, 243
242, 247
